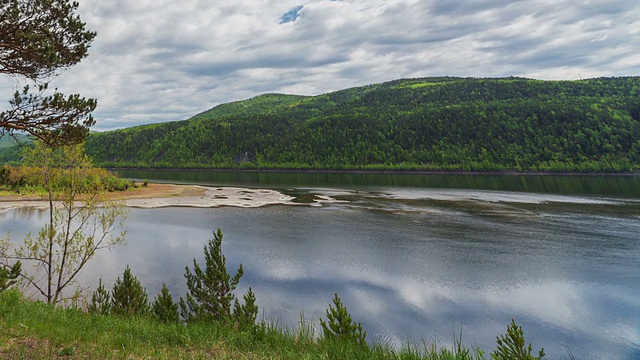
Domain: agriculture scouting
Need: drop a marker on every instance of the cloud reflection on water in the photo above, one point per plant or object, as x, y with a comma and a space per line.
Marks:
569, 278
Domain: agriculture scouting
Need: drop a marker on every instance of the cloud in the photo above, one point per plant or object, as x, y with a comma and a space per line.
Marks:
152, 63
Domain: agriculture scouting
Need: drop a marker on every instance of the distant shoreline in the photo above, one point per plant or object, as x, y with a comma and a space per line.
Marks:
408, 172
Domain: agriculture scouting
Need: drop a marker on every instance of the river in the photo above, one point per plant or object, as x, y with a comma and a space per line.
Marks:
413, 256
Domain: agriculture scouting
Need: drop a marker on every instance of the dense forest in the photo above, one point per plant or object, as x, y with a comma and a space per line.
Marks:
442, 123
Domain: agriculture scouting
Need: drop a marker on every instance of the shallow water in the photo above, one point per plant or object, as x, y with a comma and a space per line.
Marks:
414, 262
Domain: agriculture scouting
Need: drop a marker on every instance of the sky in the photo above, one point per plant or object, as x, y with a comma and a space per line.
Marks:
159, 60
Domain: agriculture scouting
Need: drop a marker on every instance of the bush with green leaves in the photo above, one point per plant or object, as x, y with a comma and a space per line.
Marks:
129, 298
340, 326
210, 296
163, 307
100, 301
511, 346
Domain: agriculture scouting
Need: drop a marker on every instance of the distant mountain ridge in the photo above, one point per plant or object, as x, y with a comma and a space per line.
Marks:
438, 123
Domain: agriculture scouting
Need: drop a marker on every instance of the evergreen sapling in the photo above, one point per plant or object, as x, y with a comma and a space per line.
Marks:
100, 301
340, 326
511, 346
9, 275
210, 296
163, 308
129, 298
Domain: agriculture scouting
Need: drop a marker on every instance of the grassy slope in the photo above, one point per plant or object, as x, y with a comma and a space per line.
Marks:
33, 330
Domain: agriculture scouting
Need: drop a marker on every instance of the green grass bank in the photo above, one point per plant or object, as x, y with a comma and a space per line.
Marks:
34, 330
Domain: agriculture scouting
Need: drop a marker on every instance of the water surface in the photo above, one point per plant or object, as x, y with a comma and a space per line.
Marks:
413, 261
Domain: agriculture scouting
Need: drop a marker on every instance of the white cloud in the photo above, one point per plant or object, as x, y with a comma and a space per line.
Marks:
167, 60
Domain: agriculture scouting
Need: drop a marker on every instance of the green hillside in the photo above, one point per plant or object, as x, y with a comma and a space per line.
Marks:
257, 105
430, 123
11, 147
8, 141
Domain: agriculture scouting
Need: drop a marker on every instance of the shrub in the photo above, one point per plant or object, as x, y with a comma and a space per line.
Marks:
9, 301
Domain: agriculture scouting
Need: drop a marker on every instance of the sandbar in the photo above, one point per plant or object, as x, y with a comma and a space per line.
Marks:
208, 197
172, 195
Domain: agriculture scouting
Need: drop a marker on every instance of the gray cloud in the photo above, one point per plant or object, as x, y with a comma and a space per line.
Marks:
154, 62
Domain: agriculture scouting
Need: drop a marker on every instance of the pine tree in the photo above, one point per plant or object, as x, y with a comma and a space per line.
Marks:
210, 294
40, 38
9, 275
100, 301
340, 326
511, 346
245, 314
129, 298
163, 308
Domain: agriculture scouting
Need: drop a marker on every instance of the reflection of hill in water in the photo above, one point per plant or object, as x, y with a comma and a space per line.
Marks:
624, 186
444, 202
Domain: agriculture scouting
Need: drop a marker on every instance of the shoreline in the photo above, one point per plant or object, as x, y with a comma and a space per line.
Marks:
399, 172
159, 195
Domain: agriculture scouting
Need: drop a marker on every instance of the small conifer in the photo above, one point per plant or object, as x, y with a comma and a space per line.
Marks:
210, 296
100, 301
9, 275
245, 314
511, 346
164, 309
129, 298
340, 326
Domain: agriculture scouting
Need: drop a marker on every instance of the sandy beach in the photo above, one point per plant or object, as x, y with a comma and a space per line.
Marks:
168, 195
206, 197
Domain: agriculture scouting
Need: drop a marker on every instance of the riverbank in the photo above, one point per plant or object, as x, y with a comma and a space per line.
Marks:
34, 330
157, 195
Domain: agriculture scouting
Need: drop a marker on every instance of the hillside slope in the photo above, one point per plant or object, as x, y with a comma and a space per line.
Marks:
429, 123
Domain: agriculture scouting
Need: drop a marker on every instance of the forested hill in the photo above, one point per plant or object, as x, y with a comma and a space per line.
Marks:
430, 123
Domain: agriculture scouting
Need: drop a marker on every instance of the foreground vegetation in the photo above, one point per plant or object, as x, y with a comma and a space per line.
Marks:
210, 323
411, 124
33, 330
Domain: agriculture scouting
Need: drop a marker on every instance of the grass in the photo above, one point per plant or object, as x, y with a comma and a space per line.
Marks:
34, 330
